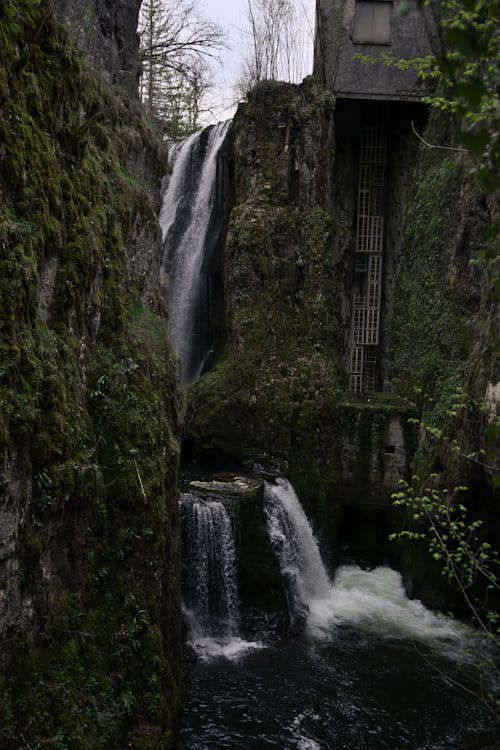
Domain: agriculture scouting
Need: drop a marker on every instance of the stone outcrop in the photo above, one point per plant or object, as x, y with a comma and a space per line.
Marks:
279, 396
260, 583
283, 270
444, 338
106, 32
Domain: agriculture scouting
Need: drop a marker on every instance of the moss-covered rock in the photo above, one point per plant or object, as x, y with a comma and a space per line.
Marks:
280, 375
278, 396
89, 408
443, 338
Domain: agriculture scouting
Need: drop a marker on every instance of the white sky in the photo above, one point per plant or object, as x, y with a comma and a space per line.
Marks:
230, 14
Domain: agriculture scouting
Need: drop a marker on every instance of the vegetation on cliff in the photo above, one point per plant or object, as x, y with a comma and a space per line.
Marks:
279, 376
89, 409
446, 316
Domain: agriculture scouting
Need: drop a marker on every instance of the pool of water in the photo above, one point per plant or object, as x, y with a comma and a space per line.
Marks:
372, 670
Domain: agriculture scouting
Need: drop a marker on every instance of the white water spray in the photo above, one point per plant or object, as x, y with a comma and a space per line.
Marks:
294, 542
210, 585
373, 600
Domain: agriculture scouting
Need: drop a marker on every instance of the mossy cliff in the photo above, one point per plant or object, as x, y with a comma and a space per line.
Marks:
444, 335
89, 410
272, 397
278, 396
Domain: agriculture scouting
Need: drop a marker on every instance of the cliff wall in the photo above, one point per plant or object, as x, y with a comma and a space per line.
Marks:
106, 32
89, 409
444, 337
279, 395
280, 372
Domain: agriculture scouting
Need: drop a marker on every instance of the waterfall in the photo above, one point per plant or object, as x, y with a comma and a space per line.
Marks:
294, 542
374, 600
209, 568
191, 225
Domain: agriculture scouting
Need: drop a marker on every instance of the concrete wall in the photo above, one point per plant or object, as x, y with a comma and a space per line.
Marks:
376, 453
414, 34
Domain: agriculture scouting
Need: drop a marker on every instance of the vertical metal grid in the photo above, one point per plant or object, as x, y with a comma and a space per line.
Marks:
369, 248
356, 380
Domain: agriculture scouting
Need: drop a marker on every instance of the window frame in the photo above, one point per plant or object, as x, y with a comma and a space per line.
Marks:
365, 38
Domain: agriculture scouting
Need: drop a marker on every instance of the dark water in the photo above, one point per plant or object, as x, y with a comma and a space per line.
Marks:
366, 678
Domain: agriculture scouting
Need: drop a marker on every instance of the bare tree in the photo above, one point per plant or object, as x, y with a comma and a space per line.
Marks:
278, 40
177, 45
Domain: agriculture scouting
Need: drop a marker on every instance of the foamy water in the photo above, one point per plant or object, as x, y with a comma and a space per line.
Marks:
371, 665
303, 740
368, 600
226, 648
376, 601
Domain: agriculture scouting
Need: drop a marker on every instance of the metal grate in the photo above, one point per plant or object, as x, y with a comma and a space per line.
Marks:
369, 248
370, 369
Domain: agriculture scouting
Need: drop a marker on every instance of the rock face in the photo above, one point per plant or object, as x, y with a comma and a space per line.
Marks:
443, 336
106, 32
283, 273
90, 624
279, 396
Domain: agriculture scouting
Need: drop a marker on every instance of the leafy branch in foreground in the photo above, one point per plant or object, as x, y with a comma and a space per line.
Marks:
438, 518
468, 563
445, 520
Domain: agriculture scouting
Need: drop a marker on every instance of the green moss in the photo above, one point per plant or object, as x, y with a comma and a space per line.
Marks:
273, 396
89, 401
440, 339
284, 350
435, 315
436, 319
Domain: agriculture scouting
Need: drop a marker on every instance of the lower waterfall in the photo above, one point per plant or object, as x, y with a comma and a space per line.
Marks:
368, 669
210, 589
294, 542
374, 600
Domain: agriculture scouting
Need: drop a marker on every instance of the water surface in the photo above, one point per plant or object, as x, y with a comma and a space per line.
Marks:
368, 672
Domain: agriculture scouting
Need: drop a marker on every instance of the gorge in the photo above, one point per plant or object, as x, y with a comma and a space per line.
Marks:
288, 298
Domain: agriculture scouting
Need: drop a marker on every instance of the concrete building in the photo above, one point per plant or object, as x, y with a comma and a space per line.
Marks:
378, 113
347, 28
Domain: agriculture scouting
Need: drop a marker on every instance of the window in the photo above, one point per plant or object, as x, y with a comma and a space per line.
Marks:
372, 22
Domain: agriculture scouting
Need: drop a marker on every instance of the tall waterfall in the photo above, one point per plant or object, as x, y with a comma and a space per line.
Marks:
293, 539
209, 568
191, 226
